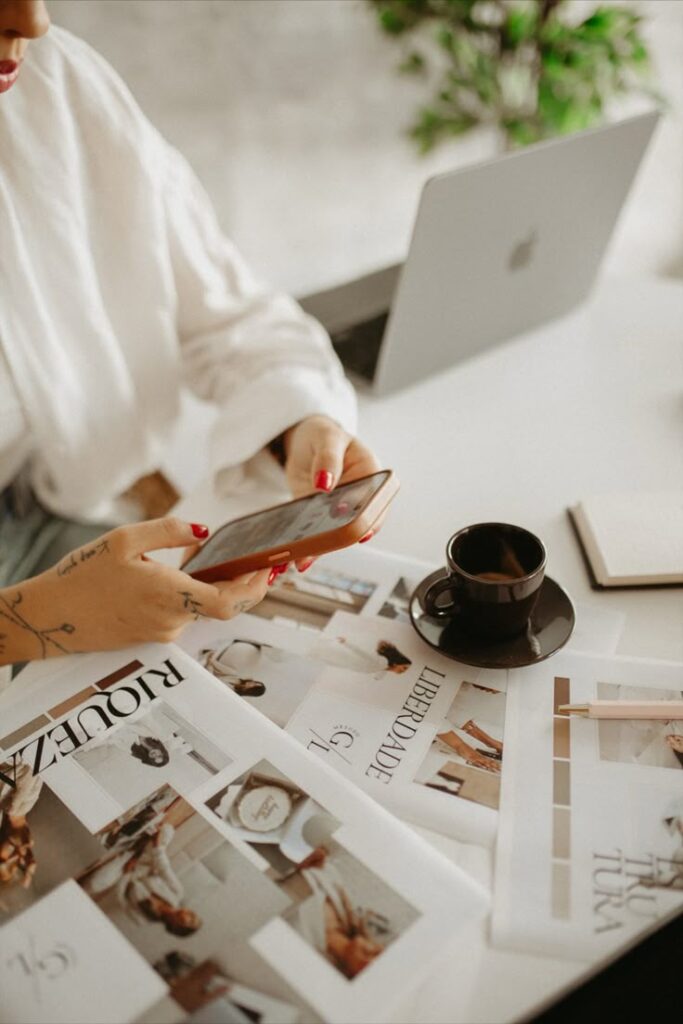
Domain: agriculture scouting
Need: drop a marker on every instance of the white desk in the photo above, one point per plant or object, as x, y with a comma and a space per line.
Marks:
587, 404
591, 403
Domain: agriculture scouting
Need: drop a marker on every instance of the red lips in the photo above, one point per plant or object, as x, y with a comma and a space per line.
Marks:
7, 67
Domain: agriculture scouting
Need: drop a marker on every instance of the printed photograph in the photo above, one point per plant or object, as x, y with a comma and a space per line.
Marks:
142, 819
466, 755
210, 994
189, 901
140, 755
652, 744
42, 844
335, 903
310, 599
275, 680
667, 870
397, 603
366, 653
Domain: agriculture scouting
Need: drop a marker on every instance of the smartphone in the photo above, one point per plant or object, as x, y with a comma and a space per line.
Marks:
302, 528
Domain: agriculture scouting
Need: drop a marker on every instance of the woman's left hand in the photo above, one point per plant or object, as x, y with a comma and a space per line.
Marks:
319, 455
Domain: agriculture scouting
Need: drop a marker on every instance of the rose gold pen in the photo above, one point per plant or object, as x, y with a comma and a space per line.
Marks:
667, 710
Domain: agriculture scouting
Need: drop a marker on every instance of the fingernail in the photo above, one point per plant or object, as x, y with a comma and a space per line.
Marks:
324, 480
199, 530
283, 567
368, 536
272, 577
305, 565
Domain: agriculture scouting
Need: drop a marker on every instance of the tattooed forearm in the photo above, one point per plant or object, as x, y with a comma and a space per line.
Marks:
243, 606
76, 558
191, 604
45, 637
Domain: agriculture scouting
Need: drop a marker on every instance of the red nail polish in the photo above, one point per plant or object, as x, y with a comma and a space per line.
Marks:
199, 530
272, 577
283, 567
368, 536
306, 565
324, 480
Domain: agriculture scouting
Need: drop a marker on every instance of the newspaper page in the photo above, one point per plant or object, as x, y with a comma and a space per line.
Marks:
168, 853
307, 657
419, 731
590, 844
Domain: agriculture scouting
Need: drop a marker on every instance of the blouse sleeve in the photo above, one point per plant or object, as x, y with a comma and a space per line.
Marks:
250, 350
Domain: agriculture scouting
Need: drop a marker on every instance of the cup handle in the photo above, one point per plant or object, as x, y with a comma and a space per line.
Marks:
434, 591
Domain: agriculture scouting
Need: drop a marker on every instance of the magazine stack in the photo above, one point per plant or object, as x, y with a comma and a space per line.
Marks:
211, 831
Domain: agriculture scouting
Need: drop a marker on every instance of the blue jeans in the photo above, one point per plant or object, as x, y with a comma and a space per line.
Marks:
33, 539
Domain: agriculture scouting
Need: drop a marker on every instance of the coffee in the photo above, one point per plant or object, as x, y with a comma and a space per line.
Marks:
499, 576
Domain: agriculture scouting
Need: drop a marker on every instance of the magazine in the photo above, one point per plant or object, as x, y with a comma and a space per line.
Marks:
425, 738
168, 853
590, 844
420, 732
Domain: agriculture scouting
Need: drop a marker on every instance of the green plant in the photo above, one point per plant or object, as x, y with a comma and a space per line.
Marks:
526, 66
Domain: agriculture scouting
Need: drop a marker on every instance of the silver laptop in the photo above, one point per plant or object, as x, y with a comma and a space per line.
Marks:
497, 249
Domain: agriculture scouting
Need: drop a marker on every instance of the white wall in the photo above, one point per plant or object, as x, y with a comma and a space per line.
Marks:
292, 113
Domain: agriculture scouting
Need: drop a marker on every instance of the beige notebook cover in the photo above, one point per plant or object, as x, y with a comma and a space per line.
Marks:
632, 539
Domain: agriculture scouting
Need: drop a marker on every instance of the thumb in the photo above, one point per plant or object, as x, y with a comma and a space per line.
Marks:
329, 448
168, 532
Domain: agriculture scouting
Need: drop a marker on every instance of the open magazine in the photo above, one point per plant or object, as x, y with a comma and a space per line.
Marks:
331, 656
168, 853
422, 733
590, 845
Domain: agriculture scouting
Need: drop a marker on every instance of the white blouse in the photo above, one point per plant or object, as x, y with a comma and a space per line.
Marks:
117, 287
14, 437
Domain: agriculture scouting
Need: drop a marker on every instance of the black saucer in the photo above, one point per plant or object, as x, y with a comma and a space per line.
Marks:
550, 626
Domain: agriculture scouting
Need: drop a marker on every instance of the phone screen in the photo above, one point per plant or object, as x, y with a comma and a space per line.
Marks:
282, 525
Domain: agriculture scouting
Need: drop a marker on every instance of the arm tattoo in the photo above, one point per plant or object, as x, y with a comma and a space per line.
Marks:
191, 604
45, 637
243, 605
83, 555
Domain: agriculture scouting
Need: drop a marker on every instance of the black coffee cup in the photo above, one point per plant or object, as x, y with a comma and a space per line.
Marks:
492, 582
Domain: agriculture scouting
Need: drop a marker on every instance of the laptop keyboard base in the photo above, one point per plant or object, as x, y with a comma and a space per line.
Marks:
358, 346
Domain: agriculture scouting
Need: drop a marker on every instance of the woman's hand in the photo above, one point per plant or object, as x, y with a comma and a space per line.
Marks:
107, 595
319, 455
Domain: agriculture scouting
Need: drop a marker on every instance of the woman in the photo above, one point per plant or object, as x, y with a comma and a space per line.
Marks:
234, 663
117, 290
340, 652
146, 886
135, 739
17, 859
328, 921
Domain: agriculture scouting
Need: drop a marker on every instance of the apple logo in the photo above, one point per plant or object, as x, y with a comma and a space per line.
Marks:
522, 253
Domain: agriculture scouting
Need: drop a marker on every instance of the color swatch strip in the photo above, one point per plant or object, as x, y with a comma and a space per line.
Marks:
561, 842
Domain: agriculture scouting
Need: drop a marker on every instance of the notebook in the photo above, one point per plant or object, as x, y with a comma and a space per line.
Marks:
631, 539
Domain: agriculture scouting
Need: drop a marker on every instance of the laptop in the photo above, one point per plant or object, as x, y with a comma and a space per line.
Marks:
497, 249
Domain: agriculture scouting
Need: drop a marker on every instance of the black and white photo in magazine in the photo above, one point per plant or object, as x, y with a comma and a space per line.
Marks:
335, 903
159, 746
